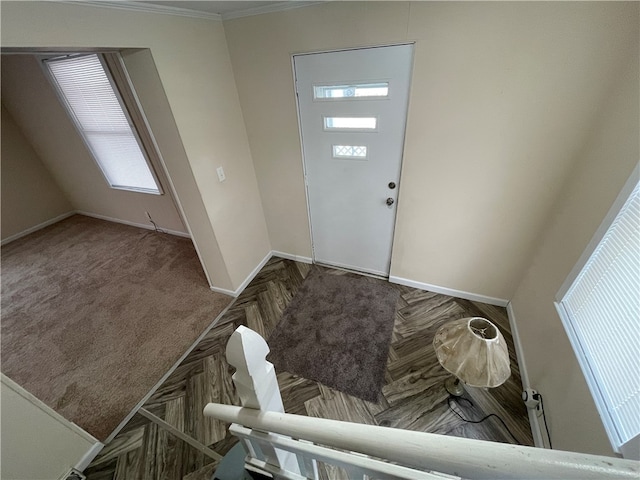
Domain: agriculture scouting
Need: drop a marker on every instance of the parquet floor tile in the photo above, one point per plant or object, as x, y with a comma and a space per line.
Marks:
413, 395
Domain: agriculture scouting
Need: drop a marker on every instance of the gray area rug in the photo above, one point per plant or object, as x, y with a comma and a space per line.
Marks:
337, 331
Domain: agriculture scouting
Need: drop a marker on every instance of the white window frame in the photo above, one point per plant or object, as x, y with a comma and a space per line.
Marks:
355, 84
350, 157
327, 129
125, 110
631, 448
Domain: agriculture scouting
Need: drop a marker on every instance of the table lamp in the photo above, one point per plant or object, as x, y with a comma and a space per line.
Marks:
474, 351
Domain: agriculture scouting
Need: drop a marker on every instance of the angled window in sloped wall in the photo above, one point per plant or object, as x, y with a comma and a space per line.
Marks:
600, 310
92, 100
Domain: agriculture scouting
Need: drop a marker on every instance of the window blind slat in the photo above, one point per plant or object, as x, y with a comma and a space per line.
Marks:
102, 122
603, 306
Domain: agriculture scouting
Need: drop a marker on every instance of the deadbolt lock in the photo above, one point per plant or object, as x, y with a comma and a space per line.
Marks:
392, 185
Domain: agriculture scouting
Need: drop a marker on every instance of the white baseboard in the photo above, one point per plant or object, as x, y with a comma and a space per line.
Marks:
524, 375
88, 457
449, 291
534, 420
35, 228
59, 218
246, 281
231, 293
132, 224
288, 256
255, 271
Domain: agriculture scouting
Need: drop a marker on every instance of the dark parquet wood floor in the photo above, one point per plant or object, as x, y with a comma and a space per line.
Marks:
170, 439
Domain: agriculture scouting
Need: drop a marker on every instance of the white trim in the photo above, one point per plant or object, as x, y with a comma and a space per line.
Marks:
224, 291
611, 428
524, 374
45, 65
500, 302
302, 159
608, 219
47, 409
276, 7
442, 454
132, 224
88, 457
145, 7
139, 6
302, 150
35, 228
357, 47
251, 276
255, 271
351, 268
534, 419
172, 189
288, 256
594, 388
180, 434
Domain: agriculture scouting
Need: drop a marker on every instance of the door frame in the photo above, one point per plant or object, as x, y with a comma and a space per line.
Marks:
304, 160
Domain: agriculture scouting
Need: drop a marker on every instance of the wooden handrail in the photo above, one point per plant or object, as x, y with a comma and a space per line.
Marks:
462, 457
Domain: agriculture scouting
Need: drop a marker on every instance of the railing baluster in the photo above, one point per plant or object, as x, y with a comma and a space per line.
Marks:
257, 386
415, 454
309, 465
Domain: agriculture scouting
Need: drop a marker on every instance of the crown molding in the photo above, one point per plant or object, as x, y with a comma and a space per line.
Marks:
274, 7
139, 6
144, 7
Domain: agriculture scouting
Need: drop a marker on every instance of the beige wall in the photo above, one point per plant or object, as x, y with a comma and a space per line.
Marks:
31, 99
193, 65
143, 74
502, 96
597, 175
30, 196
37, 443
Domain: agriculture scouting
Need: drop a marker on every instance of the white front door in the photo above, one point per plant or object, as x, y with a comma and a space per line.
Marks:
353, 107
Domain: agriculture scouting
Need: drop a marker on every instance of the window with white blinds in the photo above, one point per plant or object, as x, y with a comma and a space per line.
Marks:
601, 312
85, 86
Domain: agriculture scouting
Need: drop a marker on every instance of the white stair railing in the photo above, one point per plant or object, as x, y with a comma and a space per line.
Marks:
289, 446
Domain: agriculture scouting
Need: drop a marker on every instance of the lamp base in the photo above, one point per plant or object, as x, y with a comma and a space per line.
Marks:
454, 387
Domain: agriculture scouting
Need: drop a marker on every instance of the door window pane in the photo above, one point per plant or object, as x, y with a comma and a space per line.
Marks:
350, 151
350, 123
362, 90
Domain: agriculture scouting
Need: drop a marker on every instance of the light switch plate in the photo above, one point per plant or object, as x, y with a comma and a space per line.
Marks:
221, 175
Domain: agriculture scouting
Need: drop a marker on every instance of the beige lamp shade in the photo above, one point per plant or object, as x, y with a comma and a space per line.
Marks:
474, 350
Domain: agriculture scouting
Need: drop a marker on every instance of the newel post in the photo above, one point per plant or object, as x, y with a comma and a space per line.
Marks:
257, 386
255, 378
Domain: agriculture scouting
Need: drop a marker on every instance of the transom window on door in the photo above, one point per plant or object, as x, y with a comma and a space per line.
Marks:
94, 104
359, 90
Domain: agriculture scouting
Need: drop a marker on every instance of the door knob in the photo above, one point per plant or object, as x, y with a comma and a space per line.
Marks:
389, 201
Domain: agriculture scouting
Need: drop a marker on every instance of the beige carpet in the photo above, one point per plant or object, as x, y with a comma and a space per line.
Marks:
94, 313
